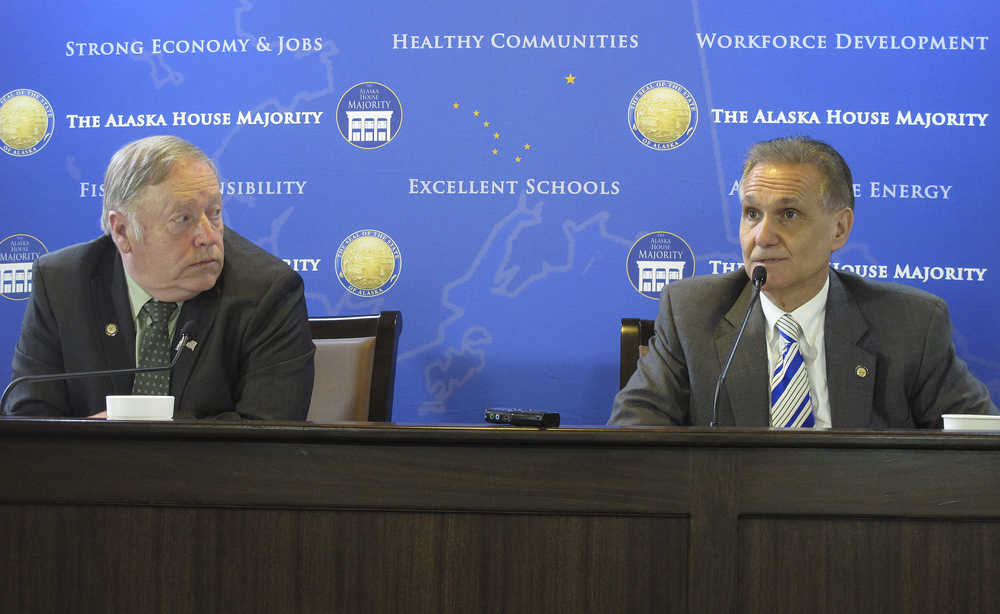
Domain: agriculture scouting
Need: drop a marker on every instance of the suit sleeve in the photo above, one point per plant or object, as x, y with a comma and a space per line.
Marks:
276, 370
944, 384
38, 351
659, 391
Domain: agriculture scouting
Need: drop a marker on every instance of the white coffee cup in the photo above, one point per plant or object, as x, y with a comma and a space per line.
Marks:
139, 407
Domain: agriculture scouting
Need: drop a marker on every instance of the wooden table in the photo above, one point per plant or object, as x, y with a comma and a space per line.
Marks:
279, 517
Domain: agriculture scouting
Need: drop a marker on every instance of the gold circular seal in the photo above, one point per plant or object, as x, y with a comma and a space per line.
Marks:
23, 122
662, 115
861, 371
367, 262
111, 329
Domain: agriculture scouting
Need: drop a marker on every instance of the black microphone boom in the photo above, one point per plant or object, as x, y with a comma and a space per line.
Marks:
48, 377
758, 277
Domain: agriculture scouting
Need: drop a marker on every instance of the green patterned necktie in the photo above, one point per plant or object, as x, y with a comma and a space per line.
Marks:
154, 350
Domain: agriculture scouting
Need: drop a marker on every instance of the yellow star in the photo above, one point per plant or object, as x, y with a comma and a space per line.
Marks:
496, 151
455, 105
496, 135
476, 113
570, 79
517, 158
527, 146
486, 124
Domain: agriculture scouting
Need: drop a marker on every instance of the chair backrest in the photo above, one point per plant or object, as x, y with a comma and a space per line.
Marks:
355, 367
635, 343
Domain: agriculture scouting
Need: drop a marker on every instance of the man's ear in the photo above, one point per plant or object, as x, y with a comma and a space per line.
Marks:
842, 230
119, 224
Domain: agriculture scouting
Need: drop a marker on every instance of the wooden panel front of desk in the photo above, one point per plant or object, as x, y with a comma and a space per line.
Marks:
188, 517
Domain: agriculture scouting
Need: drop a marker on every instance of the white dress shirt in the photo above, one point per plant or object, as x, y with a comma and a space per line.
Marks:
811, 317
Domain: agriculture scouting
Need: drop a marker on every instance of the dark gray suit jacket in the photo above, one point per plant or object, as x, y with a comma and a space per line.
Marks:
890, 359
254, 357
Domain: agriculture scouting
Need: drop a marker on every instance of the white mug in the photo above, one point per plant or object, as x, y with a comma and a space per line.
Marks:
139, 407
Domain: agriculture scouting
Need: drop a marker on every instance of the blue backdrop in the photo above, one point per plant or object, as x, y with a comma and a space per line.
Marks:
515, 178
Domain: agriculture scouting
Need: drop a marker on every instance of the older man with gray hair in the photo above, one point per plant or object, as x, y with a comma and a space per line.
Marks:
166, 257
822, 348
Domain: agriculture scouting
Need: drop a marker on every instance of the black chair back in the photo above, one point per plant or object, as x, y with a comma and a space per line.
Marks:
635, 343
384, 328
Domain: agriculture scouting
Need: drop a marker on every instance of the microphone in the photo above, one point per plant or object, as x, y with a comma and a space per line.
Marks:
184, 341
757, 277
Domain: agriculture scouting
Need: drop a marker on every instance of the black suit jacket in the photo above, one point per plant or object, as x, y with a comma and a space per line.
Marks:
890, 360
254, 353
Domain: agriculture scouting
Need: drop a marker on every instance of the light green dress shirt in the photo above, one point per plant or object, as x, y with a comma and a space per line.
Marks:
137, 297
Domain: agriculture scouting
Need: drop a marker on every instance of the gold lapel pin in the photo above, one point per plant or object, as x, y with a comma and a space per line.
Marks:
111, 329
861, 371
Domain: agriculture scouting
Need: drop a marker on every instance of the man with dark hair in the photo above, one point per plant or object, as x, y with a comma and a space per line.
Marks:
166, 258
822, 348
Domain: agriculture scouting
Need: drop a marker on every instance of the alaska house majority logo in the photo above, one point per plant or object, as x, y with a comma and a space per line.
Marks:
17, 256
368, 263
369, 115
26, 122
655, 260
662, 115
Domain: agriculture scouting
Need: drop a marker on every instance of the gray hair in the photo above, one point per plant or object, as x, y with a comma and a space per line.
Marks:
837, 188
139, 164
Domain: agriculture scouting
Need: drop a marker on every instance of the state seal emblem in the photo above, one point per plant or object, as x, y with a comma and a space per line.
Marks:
662, 115
26, 122
368, 263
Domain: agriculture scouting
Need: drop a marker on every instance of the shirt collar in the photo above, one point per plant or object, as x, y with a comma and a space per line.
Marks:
137, 297
807, 315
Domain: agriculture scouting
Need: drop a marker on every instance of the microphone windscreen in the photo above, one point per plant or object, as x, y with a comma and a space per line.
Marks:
759, 275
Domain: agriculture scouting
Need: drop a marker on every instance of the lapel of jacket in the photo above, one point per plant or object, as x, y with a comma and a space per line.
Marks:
850, 369
109, 297
201, 312
746, 385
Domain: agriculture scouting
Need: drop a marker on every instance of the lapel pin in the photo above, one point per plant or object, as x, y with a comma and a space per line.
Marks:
861, 371
111, 329
191, 345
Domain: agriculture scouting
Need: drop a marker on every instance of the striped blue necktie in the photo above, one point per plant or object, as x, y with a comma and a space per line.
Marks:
791, 403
